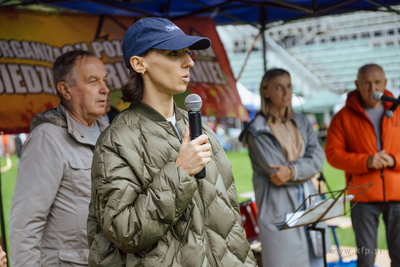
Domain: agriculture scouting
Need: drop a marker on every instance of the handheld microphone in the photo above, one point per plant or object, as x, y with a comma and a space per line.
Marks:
389, 113
379, 96
193, 104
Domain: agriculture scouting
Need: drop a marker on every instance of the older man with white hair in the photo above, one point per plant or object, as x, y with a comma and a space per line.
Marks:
52, 192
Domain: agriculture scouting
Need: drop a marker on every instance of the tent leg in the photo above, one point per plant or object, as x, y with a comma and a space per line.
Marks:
263, 22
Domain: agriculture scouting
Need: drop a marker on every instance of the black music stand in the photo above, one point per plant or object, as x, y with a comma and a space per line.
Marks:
320, 210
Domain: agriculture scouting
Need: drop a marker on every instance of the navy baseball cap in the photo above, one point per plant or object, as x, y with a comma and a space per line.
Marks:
158, 33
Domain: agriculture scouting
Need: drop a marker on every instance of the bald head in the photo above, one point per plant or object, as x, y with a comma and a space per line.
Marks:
370, 79
368, 68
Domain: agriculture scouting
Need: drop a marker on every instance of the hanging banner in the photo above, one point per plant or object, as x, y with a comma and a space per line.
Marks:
31, 42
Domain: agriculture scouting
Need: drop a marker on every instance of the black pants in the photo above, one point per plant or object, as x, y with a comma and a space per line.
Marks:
365, 219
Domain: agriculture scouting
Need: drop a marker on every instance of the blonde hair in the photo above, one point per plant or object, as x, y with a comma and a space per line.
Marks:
266, 103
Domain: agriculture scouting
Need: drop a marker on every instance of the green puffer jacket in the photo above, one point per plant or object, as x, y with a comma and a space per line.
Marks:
146, 211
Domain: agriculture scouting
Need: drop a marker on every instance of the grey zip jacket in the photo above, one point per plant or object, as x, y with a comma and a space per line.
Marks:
285, 248
147, 212
52, 193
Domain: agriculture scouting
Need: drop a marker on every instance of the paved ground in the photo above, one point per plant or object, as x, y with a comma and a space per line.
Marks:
348, 254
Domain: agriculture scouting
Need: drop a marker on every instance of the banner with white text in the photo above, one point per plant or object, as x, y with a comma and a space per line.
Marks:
32, 40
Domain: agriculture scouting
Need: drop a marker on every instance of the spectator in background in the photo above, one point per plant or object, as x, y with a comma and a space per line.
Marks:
365, 144
4, 142
52, 191
285, 155
223, 137
18, 146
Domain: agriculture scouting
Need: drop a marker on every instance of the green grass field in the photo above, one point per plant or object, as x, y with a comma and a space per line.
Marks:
7, 188
242, 171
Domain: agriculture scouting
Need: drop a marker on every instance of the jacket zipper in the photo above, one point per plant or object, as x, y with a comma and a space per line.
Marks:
212, 260
203, 213
383, 184
382, 174
175, 131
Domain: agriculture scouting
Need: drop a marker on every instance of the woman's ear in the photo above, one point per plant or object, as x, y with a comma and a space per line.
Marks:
138, 64
65, 90
265, 93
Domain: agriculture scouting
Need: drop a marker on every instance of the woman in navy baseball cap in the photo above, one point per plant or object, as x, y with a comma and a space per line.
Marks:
147, 207
159, 41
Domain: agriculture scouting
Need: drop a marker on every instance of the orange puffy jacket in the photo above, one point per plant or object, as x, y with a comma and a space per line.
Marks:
351, 139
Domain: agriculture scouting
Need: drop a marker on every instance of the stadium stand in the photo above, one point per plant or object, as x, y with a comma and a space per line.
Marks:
320, 53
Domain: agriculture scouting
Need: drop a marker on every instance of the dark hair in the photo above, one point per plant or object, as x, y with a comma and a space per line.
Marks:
132, 91
64, 68
266, 102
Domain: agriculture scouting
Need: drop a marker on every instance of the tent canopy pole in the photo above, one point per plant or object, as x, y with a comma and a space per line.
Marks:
263, 23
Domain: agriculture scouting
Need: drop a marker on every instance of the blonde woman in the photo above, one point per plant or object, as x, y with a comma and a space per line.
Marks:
285, 155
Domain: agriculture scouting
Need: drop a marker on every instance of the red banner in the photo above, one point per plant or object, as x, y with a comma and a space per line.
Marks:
31, 42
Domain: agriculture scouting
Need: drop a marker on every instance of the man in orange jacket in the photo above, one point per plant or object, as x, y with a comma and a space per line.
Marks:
366, 145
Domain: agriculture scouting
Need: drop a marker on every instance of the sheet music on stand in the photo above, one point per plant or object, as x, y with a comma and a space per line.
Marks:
315, 211
319, 210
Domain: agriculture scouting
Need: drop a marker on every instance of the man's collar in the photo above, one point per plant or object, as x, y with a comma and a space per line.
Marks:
75, 129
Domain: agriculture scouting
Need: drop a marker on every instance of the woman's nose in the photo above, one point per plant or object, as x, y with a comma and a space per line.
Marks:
187, 61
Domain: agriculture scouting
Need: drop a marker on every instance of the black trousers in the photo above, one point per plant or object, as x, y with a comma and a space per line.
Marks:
365, 219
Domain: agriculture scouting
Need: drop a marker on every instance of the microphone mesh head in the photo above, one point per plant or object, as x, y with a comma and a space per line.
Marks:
389, 114
193, 102
377, 96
